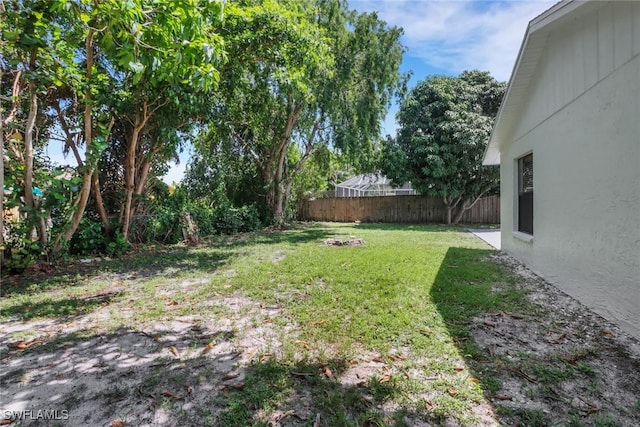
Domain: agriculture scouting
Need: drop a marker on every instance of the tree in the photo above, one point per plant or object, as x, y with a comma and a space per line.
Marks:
81, 66
445, 123
164, 65
304, 73
38, 54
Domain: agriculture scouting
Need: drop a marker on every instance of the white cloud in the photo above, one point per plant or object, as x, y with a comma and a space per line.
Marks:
460, 35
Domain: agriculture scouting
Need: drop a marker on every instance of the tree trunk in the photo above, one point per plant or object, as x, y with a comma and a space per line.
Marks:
130, 166
466, 205
278, 195
97, 194
460, 213
451, 204
4, 121
277, 184
130, 169
28, 155
85, 190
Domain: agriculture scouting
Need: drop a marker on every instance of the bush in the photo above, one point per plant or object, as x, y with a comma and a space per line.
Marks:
90, 239
229, 219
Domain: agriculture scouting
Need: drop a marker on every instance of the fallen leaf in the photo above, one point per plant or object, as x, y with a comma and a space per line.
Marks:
188, 389
265, 357
474, 380
23, 345
174, 350
172, 302
452, 392
238, 386
607, 334
230, 376
458, 369
386, 375
396, 357
428, 404
327, 371
207, 348
317, 422
167, 393
490, 323
377, 359
5, 422
304, 343
117, 423
301, 374
279, 417
503, 397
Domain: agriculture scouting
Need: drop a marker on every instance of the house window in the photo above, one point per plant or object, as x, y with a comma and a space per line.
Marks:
525, 194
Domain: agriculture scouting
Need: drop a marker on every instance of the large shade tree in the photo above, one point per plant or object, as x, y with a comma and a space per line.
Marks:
445, 123
305, 73
145, 66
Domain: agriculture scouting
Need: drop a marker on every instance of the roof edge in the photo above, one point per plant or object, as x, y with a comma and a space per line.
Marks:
537, 27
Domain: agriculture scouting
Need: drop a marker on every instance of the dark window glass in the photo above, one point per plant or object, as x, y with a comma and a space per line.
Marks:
525, 194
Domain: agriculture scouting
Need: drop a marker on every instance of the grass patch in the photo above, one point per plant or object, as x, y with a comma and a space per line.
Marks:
405, 298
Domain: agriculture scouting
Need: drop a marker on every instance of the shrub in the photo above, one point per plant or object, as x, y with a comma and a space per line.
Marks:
229, 219
90, 239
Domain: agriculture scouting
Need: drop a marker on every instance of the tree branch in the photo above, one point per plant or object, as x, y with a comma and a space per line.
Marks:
15, 96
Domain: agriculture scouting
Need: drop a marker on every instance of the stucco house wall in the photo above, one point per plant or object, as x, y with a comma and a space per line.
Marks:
578, 113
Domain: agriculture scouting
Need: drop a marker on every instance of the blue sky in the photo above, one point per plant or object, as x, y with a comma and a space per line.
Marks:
446, 37
443, 37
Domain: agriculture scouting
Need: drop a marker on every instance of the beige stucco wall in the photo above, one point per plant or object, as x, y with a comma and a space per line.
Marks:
586, 156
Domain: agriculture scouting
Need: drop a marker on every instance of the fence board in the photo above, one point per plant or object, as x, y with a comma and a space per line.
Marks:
395, 209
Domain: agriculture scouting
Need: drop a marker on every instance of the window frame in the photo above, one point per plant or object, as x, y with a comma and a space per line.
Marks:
525, 194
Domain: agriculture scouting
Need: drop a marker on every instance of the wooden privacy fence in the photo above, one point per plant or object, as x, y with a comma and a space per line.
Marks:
395, 209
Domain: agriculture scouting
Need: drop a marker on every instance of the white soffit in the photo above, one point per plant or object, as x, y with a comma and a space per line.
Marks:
532, 48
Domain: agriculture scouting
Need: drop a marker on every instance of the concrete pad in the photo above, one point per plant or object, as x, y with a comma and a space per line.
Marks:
489, 235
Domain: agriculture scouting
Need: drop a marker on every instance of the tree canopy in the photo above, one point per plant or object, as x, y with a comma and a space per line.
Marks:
273, 94
306, 74
445, 123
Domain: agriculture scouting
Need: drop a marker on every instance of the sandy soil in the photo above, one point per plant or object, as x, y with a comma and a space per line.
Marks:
176, 373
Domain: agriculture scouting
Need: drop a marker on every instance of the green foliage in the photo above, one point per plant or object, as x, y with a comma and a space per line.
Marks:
303, 74
445, 123
164, 218
90, 239
21, 252
228, 219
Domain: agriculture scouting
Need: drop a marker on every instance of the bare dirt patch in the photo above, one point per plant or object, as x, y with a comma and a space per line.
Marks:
556, 362
160, 374
560, 361
352, 241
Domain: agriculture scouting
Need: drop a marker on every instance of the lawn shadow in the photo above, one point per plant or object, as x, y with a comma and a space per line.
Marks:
540, 357
144, 263
296, 234
305, 393
186, 376
135, 376
157, 260
68, 308
463, 290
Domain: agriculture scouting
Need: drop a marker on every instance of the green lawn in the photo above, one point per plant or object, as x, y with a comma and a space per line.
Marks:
390, 315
